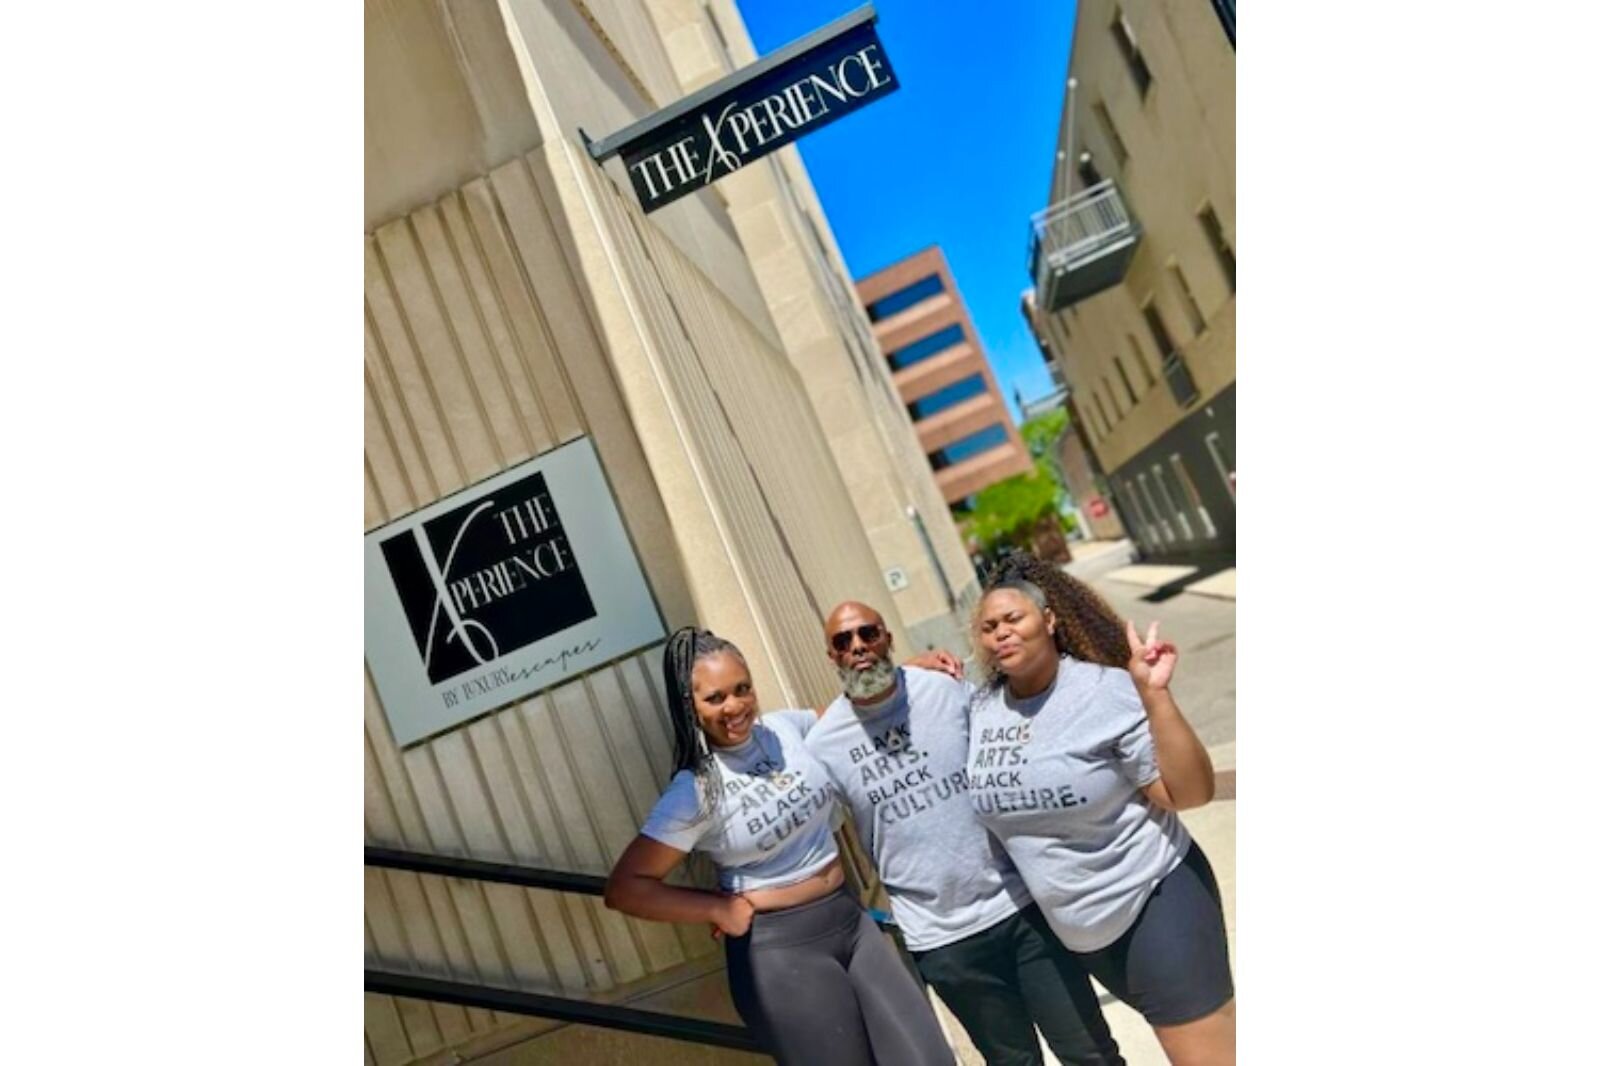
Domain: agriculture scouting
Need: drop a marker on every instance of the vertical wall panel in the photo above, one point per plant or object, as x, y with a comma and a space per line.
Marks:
626, 27
481, 350
413, 390
393, 448
549, 392
386, 1036
529, 432
481, 374
439, 360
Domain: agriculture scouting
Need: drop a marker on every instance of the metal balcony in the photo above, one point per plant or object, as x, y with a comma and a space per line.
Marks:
1081, 246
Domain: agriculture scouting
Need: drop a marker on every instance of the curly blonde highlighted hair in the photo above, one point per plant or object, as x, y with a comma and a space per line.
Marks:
1086, 627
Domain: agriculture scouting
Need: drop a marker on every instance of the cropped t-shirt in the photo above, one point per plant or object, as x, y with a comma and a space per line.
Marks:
771, 826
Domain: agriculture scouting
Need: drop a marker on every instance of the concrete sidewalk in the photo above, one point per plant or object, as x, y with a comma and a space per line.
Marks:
1096, 558
1153, 576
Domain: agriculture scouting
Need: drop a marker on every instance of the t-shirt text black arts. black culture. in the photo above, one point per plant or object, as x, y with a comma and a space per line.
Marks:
999, 754
773, 807
896, 775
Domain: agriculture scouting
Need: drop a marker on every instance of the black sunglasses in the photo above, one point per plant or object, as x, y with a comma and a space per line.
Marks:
868, 633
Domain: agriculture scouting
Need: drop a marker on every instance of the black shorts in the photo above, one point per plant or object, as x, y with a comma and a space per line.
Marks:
1172, 964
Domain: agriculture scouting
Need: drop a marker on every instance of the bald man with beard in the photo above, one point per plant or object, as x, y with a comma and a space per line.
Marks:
895, 744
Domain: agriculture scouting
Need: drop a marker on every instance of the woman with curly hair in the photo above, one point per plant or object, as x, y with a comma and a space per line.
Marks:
1079, 761
811, 974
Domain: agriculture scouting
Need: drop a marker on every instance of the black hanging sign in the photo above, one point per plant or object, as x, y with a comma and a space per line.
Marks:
801, 87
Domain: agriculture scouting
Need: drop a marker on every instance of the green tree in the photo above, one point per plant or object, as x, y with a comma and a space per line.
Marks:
1012, 507
1042, 433
1008, 511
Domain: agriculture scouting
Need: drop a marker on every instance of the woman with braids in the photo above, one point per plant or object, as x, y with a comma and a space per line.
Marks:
1079, 761
811, 974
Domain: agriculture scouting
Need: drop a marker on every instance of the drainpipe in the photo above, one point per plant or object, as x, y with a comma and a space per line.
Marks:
1072, 85
933, 556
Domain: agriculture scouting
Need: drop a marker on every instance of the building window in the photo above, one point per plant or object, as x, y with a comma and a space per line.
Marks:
947, 397
1161, 519
1145, 532
1122, 33
1088, 173
1173, 367
1219, 245
1222, 455
910, 296
1122, 373
968, 446
1172, 508
1100, 406
1119, 150
1116, 405
1139, 360
931, 345
1191, 307
1165, 349
1186, 484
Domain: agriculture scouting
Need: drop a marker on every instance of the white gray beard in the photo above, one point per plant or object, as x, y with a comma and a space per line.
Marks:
865, 684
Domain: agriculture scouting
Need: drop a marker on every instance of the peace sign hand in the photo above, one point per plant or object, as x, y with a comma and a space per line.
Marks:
1152, 660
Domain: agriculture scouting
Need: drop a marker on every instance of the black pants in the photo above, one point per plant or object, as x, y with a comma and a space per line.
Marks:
1172, 964
1012, 976
820, 985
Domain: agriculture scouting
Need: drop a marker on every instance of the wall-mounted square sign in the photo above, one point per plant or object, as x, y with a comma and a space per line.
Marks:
502, 590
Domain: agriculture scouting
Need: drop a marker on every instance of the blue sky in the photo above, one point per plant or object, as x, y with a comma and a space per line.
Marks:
960, 156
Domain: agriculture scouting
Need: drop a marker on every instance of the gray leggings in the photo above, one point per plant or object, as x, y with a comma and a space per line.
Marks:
819, 983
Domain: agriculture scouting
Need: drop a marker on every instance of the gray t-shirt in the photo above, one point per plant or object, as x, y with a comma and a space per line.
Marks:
901, 766
772, 826
1057, 778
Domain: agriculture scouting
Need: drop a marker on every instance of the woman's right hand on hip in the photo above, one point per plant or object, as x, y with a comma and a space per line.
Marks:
734, 917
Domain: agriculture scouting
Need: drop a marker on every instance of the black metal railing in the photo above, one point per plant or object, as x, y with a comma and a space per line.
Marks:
1080, 246
536, 1004
478, 870
1066, 233
562, 1009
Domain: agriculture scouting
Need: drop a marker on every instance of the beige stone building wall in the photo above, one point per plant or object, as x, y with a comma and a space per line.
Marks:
1080, 479
515, 299
803, 279
1172, 154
